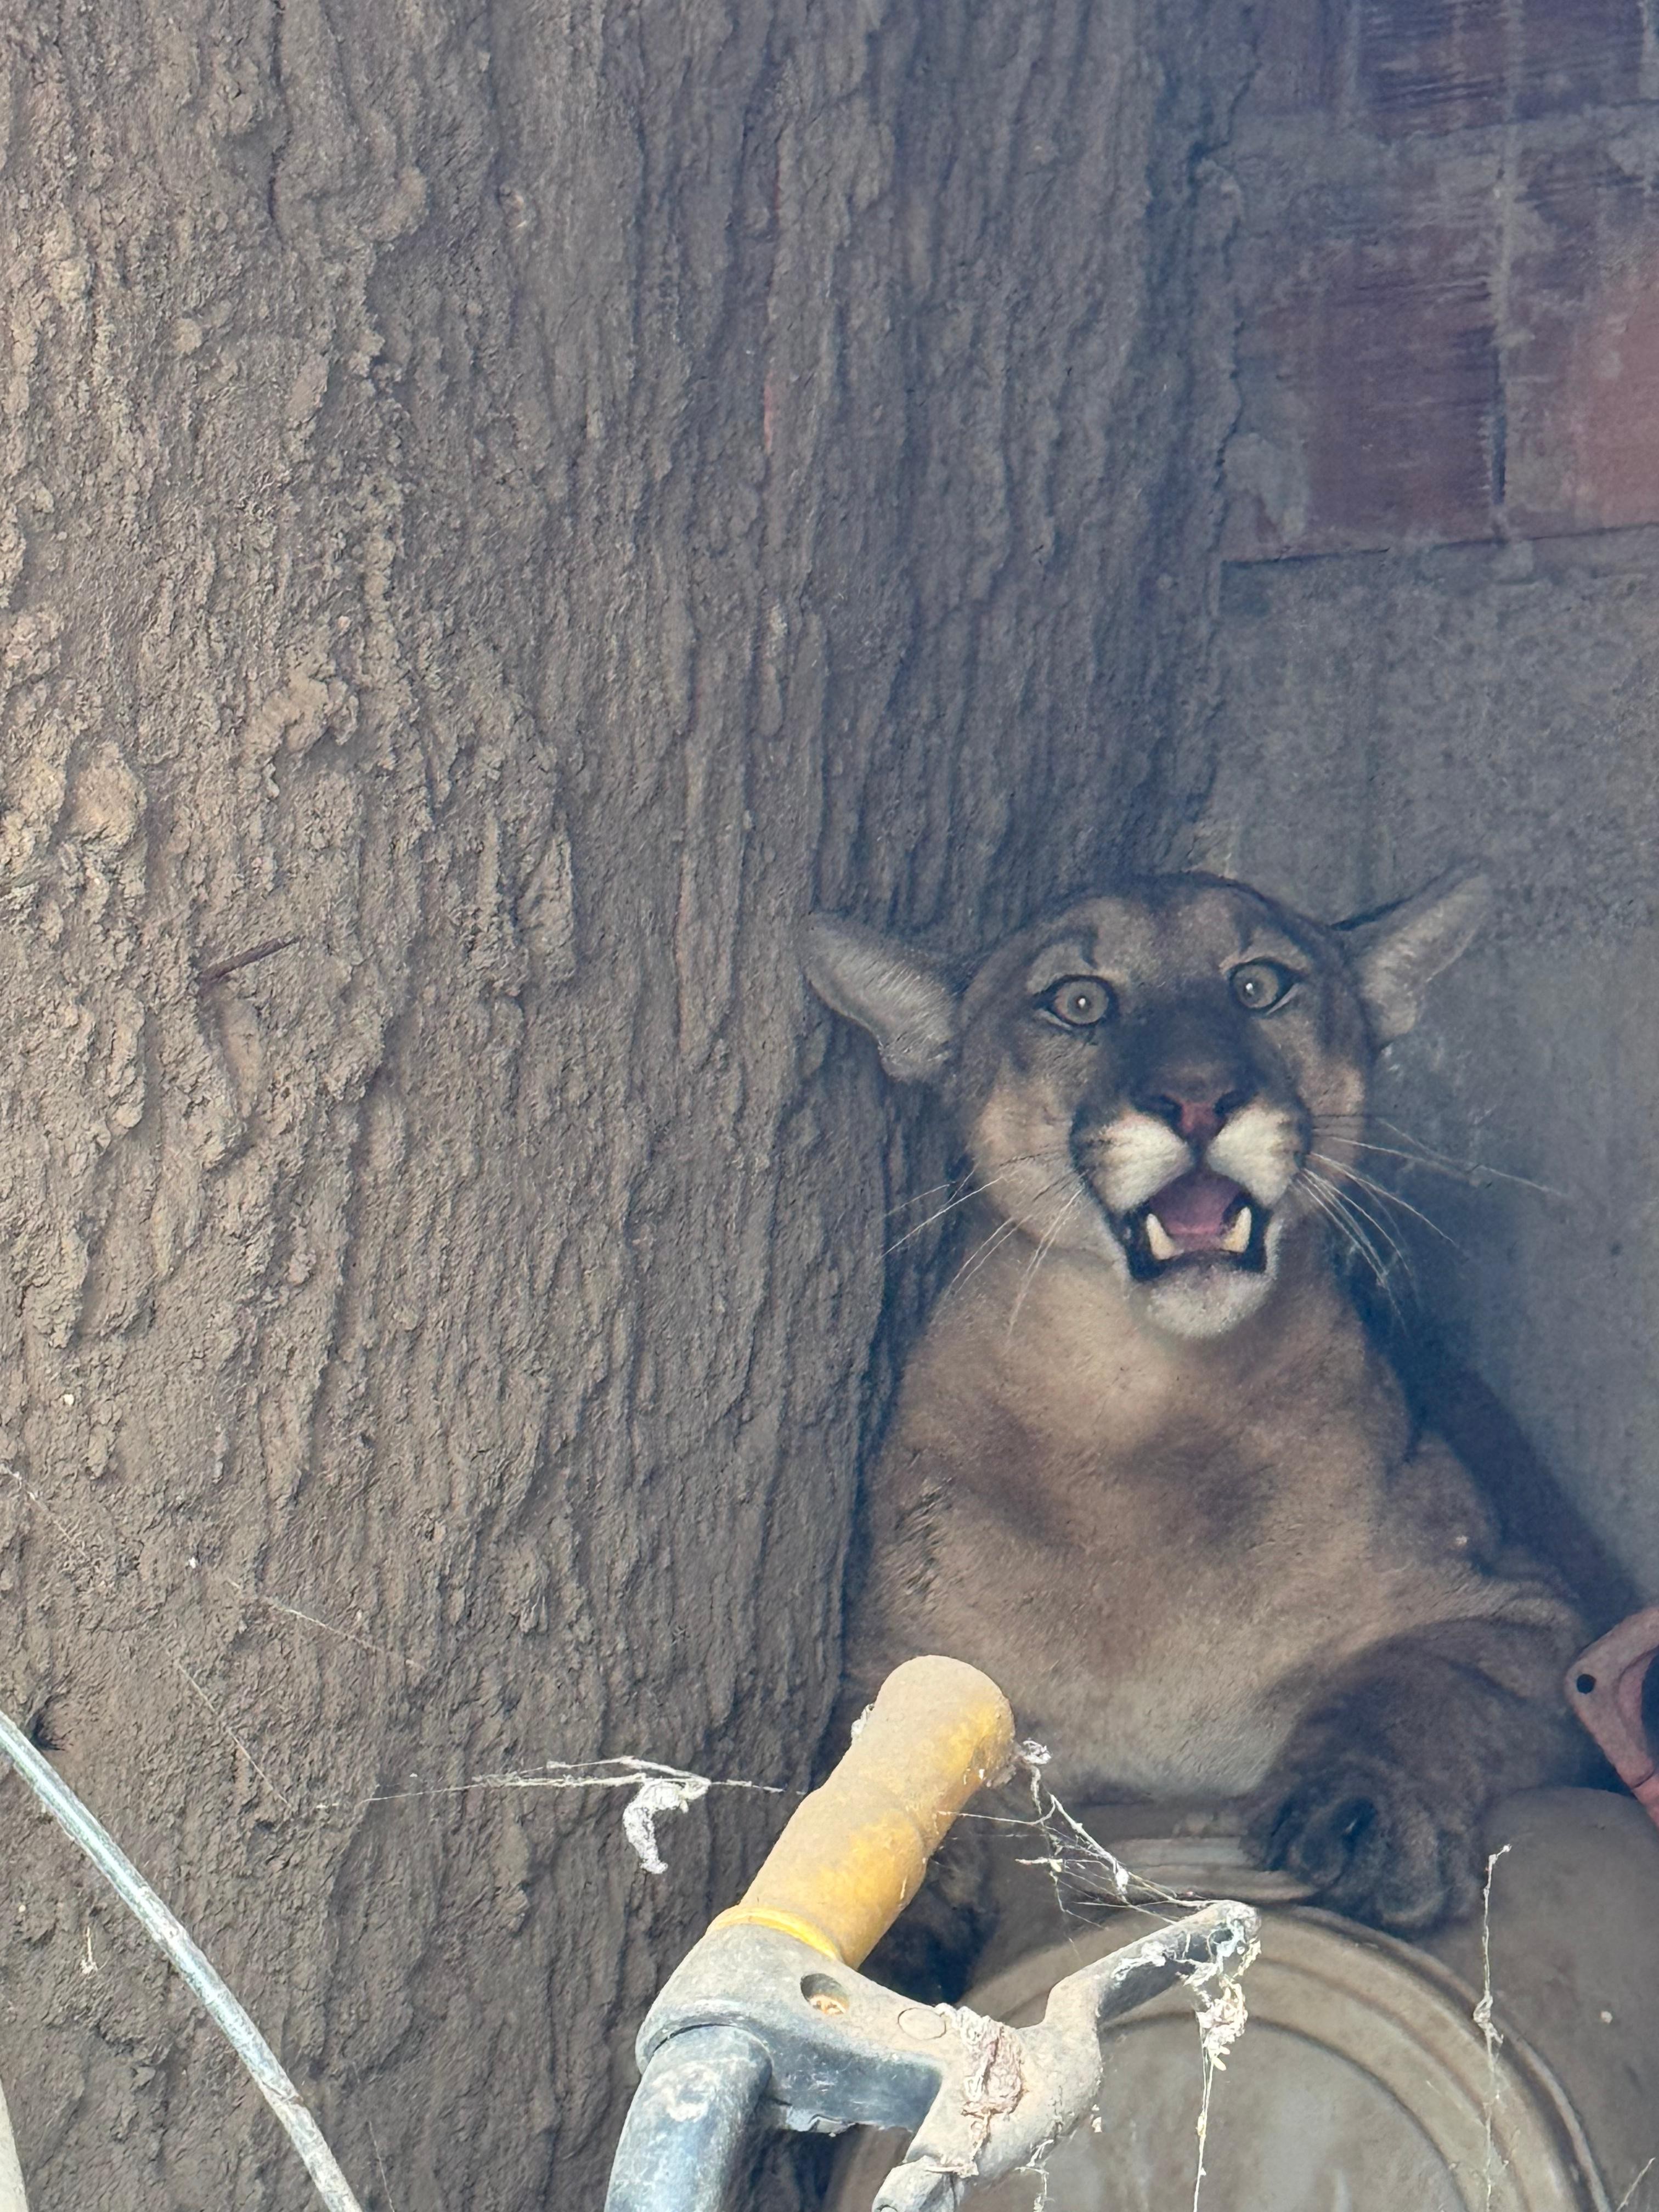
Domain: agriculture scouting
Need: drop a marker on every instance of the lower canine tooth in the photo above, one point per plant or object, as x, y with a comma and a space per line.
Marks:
1158, 1239
1237, 1239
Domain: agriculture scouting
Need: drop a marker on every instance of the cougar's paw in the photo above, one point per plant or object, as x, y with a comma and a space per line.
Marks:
1369, 1844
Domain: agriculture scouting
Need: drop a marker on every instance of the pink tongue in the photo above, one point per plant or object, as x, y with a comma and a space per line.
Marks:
1196, 1205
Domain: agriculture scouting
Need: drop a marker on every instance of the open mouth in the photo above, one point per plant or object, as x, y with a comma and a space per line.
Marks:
1200, 1218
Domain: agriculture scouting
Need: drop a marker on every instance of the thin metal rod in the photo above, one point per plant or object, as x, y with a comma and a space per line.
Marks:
147, 1908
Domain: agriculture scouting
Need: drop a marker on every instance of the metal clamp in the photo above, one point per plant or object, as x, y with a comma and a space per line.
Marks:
755, 2024
1612, 1689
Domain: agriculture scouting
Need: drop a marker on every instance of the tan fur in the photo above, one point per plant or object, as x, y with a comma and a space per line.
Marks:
1180, 1514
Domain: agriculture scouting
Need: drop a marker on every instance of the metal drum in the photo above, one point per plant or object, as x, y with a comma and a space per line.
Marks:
1364, 2081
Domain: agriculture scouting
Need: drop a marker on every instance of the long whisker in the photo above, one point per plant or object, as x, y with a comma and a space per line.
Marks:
1004, 1229
1473, 1171
1356, 1242
963, 1197
1319, 1191
1361, 1246
1457, 1169
1390, 1197
974, 1190
1378, 1224
1361, 1225
922, 1197
979, 1256
1043, 1243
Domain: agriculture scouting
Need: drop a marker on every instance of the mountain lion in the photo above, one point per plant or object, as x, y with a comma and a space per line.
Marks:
1147, 1467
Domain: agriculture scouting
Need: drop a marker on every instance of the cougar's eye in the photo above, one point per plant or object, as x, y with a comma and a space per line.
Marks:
1261, 984
1081, 1002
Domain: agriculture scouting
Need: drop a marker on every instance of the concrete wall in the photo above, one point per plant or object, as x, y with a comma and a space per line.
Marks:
1387, 715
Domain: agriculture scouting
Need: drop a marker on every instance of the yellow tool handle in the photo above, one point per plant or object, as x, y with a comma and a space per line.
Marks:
854, 1853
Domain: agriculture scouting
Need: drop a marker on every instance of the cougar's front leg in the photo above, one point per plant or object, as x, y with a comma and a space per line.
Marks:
1378, 1797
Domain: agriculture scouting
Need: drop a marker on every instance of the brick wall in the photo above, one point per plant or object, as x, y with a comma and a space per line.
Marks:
1449, 275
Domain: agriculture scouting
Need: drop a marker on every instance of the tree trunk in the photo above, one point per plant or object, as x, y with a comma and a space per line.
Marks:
504, 510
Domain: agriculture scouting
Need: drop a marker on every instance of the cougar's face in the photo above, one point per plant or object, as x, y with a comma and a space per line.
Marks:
1140, 1080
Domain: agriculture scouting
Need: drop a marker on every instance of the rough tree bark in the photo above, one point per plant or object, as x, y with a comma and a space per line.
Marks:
504, 507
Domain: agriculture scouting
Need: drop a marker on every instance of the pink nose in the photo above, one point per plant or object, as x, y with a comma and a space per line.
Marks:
1198, 1123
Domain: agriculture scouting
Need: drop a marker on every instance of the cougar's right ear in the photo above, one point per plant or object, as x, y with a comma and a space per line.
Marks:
1395, 955
899, 997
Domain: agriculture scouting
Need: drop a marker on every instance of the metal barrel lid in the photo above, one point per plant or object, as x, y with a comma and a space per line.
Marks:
1364, 2078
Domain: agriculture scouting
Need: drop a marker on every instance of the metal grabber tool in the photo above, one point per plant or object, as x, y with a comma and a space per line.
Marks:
765, 2021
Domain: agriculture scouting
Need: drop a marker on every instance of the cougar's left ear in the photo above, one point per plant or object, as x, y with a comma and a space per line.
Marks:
1395, 955
898, 996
